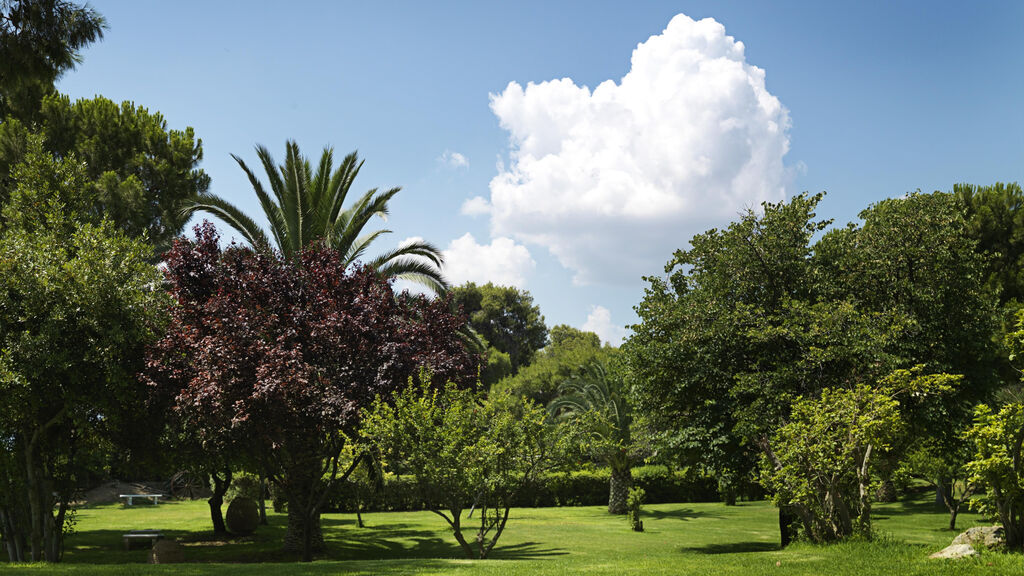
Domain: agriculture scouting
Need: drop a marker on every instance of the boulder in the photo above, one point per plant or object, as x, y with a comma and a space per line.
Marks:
988, 537
243, 517
166, 552
956, 551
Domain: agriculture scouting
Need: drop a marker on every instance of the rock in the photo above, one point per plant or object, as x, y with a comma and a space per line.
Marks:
989, 537
243, 517
956, 551
166, 552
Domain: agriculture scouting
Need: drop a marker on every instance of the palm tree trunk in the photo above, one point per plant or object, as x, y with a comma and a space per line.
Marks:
619, 484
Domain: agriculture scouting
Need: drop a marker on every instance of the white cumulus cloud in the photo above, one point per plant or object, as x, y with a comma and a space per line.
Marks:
476, 206
452, 159
599, 321
503, 262
613, 180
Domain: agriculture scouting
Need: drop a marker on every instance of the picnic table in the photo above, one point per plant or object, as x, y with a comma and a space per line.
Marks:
154, 497
133, 536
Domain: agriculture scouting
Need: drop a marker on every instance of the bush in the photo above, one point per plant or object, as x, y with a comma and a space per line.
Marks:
243, 516
244, 486
634, 501
577, 488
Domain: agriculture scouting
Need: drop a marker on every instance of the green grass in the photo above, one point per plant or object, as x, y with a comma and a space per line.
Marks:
679, 539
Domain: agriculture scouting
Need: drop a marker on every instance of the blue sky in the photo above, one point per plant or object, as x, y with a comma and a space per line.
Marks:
580, 191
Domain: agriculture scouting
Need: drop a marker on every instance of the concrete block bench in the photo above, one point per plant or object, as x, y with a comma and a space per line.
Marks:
149, 536
128, 497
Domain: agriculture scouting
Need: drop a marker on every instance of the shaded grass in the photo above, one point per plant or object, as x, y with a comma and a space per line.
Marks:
679, 539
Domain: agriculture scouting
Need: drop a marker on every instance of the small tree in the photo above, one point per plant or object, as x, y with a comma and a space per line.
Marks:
944, 468
465, 453
596, 421
998, 468
822, 462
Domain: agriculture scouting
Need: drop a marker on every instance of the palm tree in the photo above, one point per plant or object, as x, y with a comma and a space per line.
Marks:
594, 401
304, 206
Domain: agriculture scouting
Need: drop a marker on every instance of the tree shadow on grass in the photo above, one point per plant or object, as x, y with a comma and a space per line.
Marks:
677, 514
400, 541
524, 551
733, 548
907, 508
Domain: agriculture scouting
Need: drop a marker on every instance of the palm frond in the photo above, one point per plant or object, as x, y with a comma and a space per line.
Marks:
357, 249
419, 248
232, 216
350, 223
415, 270
341, 183
278, 227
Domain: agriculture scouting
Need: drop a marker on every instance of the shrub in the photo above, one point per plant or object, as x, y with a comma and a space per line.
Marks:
244, 486
576, 488
634, 500
998, 467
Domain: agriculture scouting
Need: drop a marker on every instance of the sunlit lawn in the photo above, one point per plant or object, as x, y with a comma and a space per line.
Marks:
679, 539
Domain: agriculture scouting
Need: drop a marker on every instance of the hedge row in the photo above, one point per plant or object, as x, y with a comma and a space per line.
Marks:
581, 488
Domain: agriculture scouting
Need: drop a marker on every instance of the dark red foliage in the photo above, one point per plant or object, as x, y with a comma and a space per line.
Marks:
265, 353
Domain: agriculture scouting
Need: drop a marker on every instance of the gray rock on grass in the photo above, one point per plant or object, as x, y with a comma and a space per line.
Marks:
967, 543
954, 551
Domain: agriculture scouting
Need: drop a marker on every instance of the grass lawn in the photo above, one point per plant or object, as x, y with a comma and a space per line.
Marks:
679, 539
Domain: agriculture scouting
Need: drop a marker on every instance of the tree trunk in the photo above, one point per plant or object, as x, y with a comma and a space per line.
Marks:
14, 536
621, 481
940, 492
304, 533
263, 500
35, 506
456, 524
486, 549
220, 487
786, 519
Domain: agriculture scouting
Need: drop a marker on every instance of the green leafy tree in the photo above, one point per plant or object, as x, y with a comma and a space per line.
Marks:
39, 41
998, 462
465, 453
822, 459
945, 469
995, 219
138, 173
755, 316
305, 206
998, 467
595, 417
77, 305
568, 353
498, 365
914, 257
736, 333
506, 318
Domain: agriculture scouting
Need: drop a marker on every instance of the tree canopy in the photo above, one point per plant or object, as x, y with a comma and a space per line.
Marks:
568, 354
506, 317
465, 453
39, 41
138, 173
757, 315
278, 355
77, 306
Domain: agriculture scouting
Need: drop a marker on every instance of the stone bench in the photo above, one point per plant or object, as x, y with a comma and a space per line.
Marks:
149, 536
128, 497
